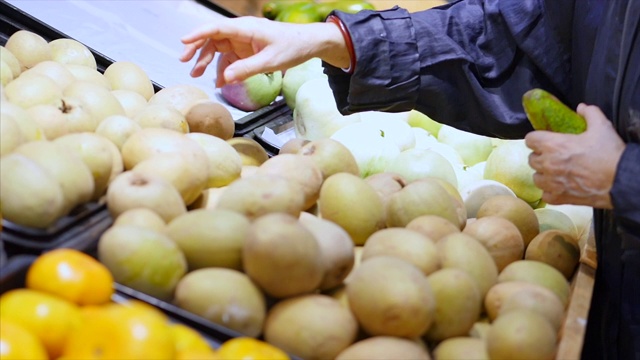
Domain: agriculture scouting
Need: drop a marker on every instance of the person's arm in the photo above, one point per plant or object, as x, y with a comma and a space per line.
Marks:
252, 45
466, 63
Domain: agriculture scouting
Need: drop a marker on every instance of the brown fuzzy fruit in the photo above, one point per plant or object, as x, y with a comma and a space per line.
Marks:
210, 117
501, 238
515, 210
556, 248
384, 348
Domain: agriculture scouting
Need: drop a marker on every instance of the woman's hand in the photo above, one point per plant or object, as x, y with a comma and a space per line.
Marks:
577, 169
253, 45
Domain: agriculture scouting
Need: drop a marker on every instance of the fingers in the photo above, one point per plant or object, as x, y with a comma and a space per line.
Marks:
245, 68
549, 184
203, 32
536, 140
240, 29
224, 61
207, 53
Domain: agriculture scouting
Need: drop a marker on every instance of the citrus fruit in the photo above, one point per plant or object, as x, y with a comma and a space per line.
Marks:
16, 342
188, 339
48, 317
72, 275
247, 348
130, 330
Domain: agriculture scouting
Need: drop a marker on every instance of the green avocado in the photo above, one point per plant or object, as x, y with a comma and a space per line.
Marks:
546, 112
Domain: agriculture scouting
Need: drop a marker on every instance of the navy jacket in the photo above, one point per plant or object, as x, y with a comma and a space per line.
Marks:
468, 63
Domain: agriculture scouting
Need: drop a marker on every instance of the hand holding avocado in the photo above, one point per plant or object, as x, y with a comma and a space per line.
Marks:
576, 168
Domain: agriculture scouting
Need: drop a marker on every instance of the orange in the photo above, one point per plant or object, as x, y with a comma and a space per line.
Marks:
48, 317
72, 275
16, 342
247, 348
131, 330
188, 339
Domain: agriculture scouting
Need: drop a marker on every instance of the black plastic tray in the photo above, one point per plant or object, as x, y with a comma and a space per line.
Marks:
80, 230
217, 8
247, 124
13, 276
278, 122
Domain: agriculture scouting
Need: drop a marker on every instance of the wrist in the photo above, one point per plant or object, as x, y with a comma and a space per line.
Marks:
344, 58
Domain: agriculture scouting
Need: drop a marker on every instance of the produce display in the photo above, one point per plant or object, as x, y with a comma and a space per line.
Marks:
66, 310
369, 235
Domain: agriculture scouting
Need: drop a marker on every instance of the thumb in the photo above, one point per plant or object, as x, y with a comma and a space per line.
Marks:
592, 115
244, 68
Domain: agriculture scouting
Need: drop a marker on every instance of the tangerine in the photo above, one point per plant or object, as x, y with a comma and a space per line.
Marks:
129, 330
188, 339
48, 317
248, 348
72, 275
16, 342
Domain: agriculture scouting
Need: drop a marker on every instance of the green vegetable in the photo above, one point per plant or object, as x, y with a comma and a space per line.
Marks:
546, 112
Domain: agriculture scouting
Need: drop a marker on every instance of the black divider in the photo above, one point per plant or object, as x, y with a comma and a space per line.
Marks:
217, 8
281, 121
82, 233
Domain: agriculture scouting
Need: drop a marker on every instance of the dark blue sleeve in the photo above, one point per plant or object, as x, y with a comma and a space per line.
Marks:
465, 64
626, 188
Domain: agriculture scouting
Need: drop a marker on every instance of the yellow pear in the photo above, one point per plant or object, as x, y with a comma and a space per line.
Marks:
66, 166
189, 178
29, 194
95, 152
132, 189
225, 164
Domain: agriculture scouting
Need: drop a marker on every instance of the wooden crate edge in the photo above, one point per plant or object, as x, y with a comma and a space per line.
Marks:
575, 323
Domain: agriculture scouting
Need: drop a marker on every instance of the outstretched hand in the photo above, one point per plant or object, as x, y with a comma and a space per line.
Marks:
252, 45
577, 169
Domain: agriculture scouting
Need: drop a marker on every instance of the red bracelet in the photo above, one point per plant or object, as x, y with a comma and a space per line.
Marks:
347, 39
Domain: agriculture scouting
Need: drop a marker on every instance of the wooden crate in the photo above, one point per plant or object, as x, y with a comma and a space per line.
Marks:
575, 323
